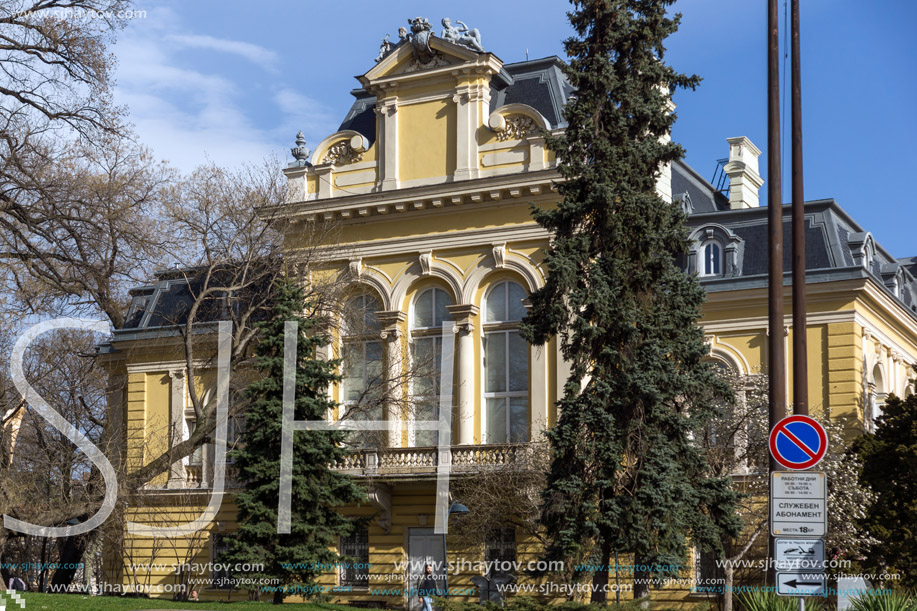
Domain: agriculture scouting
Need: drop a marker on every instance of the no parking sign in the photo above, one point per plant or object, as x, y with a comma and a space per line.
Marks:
798, 442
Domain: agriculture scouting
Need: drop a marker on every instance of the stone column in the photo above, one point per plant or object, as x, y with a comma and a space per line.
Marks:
176, 422
394, 377
464, 316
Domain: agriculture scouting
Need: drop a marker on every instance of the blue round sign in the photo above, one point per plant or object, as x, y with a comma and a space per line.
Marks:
798, 442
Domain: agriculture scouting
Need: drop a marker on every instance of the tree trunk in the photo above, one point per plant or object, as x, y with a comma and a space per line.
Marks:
728, 578
600, 577
641, 582
278, 598
71, 552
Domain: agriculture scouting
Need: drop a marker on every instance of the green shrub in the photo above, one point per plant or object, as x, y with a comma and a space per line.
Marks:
896, 601
760, 600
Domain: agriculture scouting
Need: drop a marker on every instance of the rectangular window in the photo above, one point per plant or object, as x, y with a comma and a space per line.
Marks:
354, 553
219, 546
427, 355
362, 389
500, 547
506, 387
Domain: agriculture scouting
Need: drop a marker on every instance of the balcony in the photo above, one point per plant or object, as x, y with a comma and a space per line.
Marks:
422, 462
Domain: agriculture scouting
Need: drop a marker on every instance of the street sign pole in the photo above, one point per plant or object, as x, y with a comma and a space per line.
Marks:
798, 504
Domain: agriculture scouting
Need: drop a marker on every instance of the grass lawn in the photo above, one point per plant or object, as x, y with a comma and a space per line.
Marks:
79, 602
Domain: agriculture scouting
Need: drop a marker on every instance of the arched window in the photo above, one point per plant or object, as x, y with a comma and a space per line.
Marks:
427, 316
361, 360
506, 366
711, 263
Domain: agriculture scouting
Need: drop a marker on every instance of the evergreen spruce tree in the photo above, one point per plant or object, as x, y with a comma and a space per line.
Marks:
889, 457
625, 475
290, 559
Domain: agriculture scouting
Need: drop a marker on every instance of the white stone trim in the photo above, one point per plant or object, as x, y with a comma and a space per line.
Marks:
459, 239
415, 273
512, 261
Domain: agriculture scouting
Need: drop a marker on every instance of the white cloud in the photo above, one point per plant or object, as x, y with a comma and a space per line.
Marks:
189, 116
252, 52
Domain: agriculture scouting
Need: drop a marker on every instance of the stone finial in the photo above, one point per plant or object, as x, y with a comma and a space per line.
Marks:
300, 152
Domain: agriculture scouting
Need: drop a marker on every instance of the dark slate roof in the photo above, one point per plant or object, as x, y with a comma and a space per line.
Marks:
701, 194
831, 236
361, 117
540, 83
909, 263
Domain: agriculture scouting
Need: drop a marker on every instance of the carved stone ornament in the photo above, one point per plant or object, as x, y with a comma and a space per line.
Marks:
426, 262
517, 127
342, 153
300, 152
499, 252
436, 60
356, 267
421, 32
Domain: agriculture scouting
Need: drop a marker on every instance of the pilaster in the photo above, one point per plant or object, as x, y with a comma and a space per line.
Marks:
392, 322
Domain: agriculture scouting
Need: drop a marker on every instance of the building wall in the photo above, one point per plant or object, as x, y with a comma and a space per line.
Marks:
442, 198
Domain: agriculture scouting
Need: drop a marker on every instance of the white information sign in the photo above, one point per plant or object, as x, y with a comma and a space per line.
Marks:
799, 505
800, 555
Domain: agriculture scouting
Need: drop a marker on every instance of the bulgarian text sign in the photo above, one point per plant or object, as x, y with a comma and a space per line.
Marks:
799, 505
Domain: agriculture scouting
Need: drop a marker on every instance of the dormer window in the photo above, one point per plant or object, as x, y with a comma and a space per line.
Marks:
716, 252
862, 248
711, 253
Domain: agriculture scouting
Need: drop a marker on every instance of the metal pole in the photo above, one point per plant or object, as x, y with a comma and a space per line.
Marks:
776, 367
802, 604
617, 583
800, 351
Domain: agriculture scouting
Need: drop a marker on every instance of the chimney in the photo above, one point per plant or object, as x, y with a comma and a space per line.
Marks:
742, 169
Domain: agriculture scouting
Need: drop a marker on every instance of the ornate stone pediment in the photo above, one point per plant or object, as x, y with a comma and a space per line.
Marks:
403, 59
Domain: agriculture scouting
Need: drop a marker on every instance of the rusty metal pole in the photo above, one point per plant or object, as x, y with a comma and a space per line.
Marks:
776, 360
800, 351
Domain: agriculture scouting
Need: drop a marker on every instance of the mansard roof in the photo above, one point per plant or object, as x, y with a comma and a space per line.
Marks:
835, 242
539, 83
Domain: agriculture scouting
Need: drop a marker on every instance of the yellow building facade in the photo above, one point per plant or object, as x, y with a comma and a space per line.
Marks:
430, 181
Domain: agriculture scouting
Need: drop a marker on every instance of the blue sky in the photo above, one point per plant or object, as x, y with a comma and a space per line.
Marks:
234, 80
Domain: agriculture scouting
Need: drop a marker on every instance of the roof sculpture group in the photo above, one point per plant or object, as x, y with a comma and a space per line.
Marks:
421, 30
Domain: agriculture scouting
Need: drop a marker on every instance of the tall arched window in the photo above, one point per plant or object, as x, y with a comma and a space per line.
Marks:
427, 316
361, 360
712, 259
506, 366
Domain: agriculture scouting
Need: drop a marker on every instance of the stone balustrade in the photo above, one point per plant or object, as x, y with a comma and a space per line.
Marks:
418, 462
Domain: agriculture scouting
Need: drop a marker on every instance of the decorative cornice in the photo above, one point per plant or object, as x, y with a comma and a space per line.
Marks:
411, 199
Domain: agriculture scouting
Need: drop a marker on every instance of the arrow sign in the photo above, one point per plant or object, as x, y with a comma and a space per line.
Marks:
798, 442
794, 583
801, 584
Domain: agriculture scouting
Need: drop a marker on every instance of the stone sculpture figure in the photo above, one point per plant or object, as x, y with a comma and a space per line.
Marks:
462, 35
384, 49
